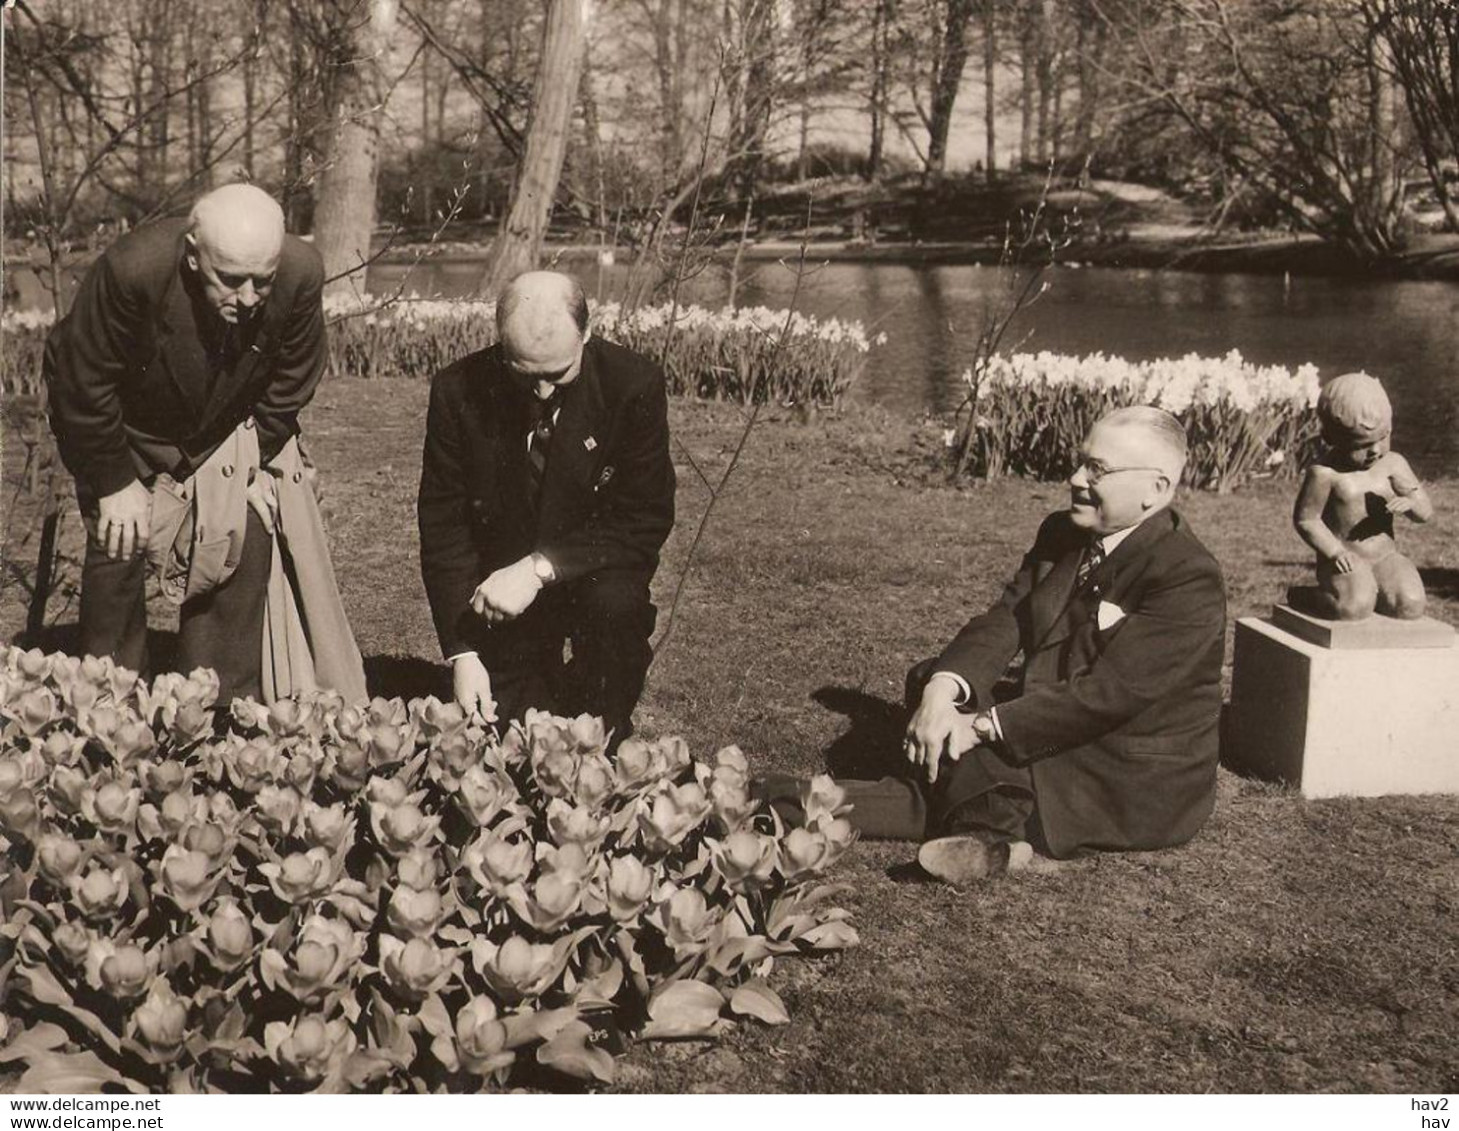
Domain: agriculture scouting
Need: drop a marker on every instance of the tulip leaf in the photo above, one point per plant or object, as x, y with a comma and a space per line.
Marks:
756, 999
738, 952
834, 935
365, 1065
570, 1052
73, 1073
599, 991
444, 1050
684, 1009
43, 986
42, 1038
434, 1018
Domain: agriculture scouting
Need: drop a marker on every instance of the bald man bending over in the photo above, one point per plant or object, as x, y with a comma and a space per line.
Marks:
546, 493
182, 331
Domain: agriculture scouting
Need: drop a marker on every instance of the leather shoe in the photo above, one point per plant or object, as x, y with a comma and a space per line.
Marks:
963, 859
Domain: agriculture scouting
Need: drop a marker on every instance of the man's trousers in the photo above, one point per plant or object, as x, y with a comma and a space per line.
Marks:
982, 792
605, 620
222, 630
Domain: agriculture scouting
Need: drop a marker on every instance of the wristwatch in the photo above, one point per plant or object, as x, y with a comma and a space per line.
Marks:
985, 728
543, 568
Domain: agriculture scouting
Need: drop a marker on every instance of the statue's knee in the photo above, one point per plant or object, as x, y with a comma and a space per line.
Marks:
1354, 602
1409, 601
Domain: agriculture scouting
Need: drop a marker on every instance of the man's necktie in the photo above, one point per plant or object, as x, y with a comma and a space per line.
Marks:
1092, 560
540, 414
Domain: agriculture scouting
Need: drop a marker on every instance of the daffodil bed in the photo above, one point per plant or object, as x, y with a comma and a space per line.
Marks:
326, 896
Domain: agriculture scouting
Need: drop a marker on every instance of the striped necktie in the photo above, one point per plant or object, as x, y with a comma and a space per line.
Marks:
1092, 560
539, 437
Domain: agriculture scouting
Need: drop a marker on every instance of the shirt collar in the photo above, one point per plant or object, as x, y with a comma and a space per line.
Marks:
1108, 542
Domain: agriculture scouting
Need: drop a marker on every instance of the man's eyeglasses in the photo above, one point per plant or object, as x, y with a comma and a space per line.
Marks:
1094, 470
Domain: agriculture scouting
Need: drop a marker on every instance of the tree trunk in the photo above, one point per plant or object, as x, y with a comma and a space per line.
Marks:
594, 128
554, 94
877, 103
344, 209
990, 86
1028, 87
952, 58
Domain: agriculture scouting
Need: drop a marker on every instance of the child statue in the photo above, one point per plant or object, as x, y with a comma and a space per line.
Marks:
1347, 502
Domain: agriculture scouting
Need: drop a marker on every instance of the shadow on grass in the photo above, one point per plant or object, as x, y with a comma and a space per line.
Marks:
1441, 582
409, 677
868, 749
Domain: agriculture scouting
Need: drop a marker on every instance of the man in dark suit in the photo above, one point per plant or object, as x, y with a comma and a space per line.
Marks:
546, 493
181, 332
1105, 736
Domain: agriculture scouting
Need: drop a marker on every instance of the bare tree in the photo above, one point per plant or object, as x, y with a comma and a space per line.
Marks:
555, 93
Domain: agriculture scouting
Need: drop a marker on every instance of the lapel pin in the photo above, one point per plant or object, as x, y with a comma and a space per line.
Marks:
590, 443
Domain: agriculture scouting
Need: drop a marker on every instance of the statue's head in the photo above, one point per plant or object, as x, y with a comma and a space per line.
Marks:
542, 321
1356, 419
1130, 466
234, 240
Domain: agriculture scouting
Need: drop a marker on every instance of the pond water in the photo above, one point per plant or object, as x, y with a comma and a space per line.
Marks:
1405, 332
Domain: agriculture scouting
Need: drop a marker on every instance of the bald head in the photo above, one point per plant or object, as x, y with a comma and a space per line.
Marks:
235, 239
1158, 433
542, 320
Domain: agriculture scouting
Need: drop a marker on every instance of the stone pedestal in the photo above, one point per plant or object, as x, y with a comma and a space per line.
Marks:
1375, 712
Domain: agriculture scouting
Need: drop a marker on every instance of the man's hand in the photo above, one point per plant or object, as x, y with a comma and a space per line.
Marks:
930, 733
1343, 562
125, 521
263, 497
508, 592
471, 686
1400, 504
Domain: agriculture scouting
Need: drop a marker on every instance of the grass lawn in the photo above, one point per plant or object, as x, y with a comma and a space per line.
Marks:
1294, 946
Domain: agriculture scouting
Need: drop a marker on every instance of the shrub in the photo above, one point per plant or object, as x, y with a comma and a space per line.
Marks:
1028, 414
321, 896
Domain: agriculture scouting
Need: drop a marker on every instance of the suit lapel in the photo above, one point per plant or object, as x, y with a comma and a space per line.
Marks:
1050, 600
502, 417
570, 459
180, 349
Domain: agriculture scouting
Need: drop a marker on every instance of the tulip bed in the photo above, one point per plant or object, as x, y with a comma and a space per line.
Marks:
324, 896
1028, 414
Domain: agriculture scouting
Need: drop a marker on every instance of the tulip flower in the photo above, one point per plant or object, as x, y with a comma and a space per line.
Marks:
35, 710
300, 876
112, 806
189, 723
481, 1038
300, 772
19, 813
437, 719
675, 754
230, 935
671, 813
415, 912
594, 783
251, 765
186, 877
840, 835
286, 718
125, 971
320, 960
496, 863
61, 748
402, 828
161, 1020
58, 857
277, 808
67, 786
99, 893
630, 885
733, 805
554, 771
211, 838
482, 794
309, 1047
33, 664
417, 869
517, 970
588, 734
637, 764
745, 859
550, 903
822, 797
684, 918
803, 852
569, 824
166, 822
348, 765
451, 757
415, 968
161, 778
327, 826
21, 771
73, 941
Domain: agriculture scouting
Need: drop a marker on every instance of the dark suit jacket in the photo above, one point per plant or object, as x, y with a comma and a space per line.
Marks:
129, 375
607, 495
1117, 725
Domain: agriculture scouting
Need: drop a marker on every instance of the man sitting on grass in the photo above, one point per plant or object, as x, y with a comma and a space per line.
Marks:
1104, 736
